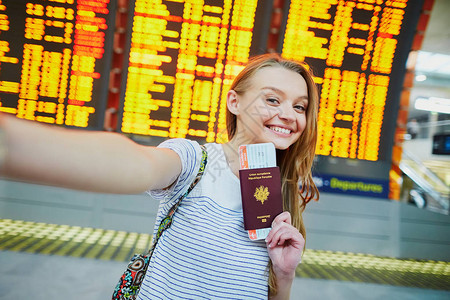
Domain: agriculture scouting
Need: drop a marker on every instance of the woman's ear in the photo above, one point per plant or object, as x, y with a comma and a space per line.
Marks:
233, 102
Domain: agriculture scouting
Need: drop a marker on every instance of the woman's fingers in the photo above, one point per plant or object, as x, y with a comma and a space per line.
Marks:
285, 245
282, 233
283, 218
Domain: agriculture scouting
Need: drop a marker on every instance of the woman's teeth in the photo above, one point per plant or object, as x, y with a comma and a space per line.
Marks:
279, 129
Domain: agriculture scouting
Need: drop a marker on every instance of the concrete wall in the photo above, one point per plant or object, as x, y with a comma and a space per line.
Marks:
336, 222
379, 227
38, 203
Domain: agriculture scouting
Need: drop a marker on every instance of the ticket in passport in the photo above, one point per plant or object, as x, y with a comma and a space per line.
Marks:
255, 156
260, 188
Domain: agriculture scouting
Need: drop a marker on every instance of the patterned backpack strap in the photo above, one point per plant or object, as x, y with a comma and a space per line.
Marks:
167, 221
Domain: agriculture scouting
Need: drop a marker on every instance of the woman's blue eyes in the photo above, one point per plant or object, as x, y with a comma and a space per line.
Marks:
272, 100
299, 108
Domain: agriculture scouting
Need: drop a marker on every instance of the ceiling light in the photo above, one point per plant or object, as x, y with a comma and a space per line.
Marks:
440, 105
421, 78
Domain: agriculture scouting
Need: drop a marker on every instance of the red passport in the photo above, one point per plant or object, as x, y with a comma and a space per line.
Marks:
261, 196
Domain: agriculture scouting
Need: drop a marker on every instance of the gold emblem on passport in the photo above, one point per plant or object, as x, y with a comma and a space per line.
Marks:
261, 193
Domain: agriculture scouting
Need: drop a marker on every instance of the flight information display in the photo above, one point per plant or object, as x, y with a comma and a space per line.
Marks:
55, 60
357, 50
182, 58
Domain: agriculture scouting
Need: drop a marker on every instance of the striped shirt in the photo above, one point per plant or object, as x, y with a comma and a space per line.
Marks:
206, 253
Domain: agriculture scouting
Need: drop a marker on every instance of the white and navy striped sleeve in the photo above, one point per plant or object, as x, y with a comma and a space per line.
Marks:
190, 154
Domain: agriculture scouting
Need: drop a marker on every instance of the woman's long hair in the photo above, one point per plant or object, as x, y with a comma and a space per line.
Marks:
295, 162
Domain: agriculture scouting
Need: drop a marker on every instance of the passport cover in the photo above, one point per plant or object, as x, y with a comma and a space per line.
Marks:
261, 196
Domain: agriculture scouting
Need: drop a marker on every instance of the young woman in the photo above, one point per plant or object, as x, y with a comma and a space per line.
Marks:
206, 253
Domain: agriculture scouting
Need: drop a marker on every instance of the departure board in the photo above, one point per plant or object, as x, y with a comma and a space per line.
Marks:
182, 58
55, 60
358, 51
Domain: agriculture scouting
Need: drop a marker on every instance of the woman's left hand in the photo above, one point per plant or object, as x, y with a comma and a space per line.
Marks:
285, 246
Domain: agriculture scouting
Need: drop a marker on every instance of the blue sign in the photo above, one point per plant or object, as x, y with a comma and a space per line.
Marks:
351, 185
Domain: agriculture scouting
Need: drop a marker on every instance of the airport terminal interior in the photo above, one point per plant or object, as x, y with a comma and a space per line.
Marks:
57, 243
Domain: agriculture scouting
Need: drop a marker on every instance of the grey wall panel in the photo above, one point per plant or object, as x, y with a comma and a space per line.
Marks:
21, 191
424, 250
348, 224
351, 224
427, 232
136, 213
410, 212
336, 222
424, 232
320, 240
129, 204
36, 212
135, 223
348, 204
38, 203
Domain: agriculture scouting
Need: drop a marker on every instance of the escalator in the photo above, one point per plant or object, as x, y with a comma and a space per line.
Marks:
426, 184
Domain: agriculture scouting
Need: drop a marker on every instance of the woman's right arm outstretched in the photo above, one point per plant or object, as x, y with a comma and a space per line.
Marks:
92, 161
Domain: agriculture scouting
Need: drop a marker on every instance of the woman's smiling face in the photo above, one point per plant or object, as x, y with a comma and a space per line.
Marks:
273, 109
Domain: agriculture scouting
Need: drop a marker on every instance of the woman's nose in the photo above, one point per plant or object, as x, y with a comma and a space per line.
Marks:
286, 113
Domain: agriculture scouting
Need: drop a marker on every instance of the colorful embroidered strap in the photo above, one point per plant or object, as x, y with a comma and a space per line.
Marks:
167, 221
